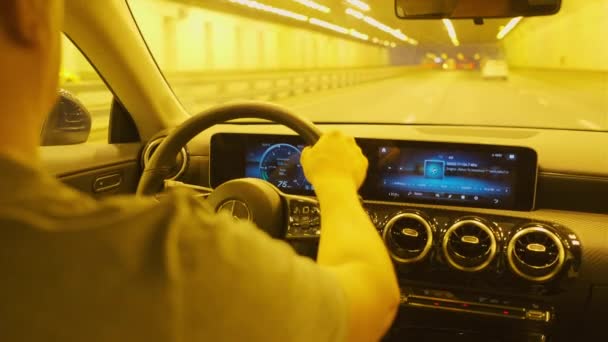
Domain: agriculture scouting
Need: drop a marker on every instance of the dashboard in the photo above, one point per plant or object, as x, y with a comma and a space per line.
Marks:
485, 176
490, 241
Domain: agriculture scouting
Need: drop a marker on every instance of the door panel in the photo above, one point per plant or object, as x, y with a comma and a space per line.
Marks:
96, 169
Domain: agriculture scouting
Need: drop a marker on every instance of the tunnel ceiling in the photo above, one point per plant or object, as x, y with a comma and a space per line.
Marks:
434, 32
424, 31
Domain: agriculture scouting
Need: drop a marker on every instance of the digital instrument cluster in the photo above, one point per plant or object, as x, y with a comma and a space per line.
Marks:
278, 164
475, 175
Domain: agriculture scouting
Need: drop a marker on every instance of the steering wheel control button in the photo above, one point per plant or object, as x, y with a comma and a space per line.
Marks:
304, 218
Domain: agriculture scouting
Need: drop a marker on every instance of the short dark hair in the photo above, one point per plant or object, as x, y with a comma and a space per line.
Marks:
8, 25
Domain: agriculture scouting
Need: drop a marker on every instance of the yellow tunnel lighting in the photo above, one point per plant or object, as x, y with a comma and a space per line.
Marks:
375, 23
359, 4
399, 35
380, 26
355, 13
314, 5
358, 34
329, 26
510, 26
270, 9
451, 31
313, 21
384, 43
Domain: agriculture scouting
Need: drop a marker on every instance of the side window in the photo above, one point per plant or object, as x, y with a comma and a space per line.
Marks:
66, 124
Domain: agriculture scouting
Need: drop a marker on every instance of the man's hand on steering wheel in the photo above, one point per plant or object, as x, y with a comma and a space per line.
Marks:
334, 158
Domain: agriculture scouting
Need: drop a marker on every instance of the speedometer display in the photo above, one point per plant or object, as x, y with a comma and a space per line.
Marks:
279, 164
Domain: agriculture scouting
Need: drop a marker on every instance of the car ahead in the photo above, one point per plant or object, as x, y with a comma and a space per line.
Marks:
495, 69
488, 195
449, 64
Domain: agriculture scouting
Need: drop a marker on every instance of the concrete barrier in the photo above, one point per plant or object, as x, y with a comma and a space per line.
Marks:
198, 90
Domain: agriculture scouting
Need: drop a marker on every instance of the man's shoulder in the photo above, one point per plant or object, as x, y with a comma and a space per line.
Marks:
177, 207
52, 206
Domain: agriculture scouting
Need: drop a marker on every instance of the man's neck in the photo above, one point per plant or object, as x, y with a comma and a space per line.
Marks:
27, 156
23, 104
19, 134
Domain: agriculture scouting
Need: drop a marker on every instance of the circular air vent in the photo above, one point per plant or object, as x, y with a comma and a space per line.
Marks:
536, 253
181, 161
408, 237
469, 245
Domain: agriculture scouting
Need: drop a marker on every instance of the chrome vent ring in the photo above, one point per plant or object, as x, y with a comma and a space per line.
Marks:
181, 163
469, 245
408, 237
536, 253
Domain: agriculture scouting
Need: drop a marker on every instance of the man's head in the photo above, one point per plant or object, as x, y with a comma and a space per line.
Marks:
30, 37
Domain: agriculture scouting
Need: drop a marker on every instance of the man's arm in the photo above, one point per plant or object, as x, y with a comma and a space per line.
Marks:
350, 246
239, 284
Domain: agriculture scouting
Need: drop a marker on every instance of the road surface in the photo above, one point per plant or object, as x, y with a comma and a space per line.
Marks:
566, 100
547, 99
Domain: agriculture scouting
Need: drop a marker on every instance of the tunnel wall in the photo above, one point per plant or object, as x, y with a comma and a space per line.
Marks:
186, 38
574, 39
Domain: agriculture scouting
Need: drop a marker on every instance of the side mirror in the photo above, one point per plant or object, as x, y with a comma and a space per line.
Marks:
68, 123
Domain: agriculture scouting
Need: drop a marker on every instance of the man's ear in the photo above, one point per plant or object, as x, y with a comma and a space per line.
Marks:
31, 22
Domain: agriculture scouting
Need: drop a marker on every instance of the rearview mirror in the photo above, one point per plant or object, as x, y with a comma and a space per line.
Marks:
463, 9
68, 123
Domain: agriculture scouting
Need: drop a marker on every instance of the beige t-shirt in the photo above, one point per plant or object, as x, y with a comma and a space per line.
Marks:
133, 269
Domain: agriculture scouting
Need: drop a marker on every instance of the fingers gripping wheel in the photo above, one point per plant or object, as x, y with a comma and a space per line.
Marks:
335, 155
161, 164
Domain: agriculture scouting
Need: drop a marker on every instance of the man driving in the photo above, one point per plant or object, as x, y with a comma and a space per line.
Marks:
134, 269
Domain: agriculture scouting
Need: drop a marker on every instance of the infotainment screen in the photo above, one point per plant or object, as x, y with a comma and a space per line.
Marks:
476, 175
459, 174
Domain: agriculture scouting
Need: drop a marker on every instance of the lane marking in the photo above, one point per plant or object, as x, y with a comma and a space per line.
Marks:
590, 125
410, 119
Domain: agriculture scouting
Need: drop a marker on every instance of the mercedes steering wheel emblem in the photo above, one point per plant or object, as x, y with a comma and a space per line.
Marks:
237, 208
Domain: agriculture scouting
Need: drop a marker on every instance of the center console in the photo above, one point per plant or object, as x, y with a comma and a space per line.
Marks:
477, 274
465, 273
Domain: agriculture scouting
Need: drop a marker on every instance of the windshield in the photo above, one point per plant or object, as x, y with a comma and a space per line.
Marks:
354, 61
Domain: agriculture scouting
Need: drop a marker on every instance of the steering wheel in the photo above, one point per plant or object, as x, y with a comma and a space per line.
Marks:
246, 198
